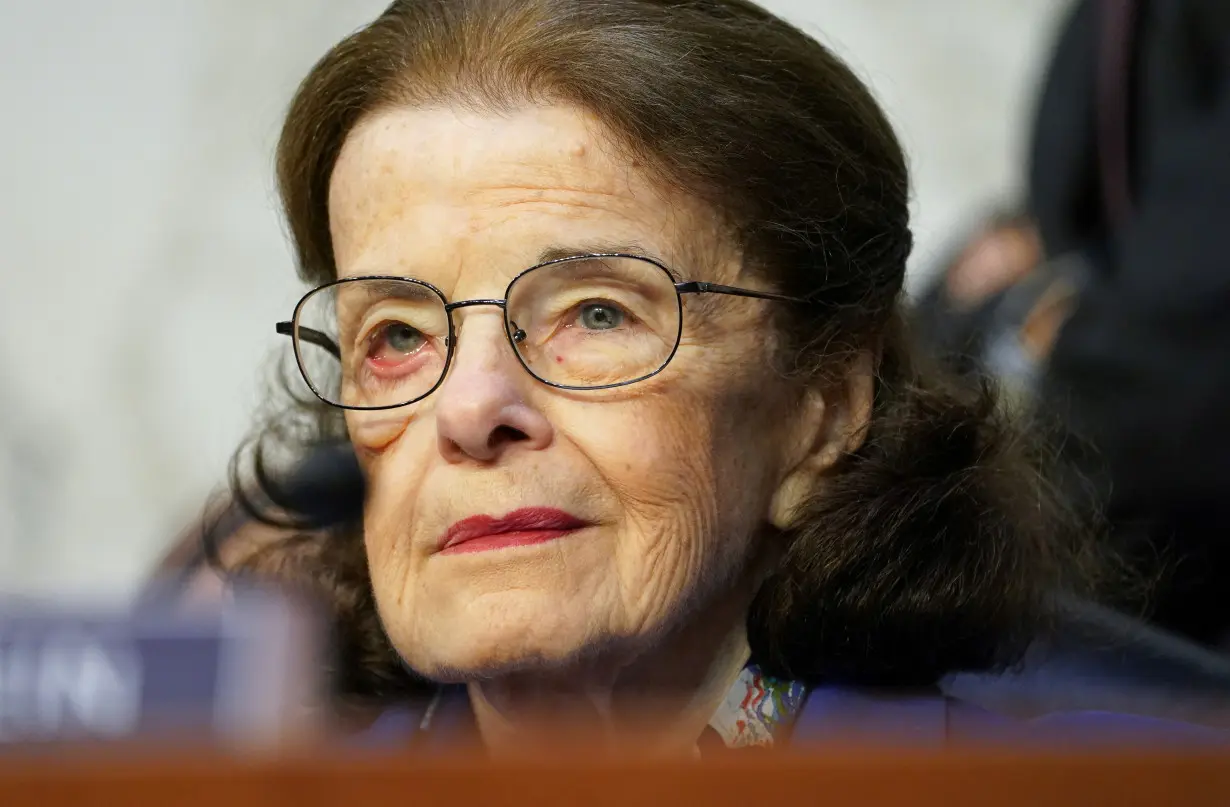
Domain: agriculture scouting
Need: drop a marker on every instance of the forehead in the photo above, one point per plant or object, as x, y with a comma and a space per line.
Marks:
461, 198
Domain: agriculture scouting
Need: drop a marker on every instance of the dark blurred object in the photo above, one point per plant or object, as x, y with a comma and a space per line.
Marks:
1130, 178
994, 307
325, 489
1120, 326
960, 309
1102, 660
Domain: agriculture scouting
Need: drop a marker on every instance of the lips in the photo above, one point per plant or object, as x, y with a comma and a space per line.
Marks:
529, 525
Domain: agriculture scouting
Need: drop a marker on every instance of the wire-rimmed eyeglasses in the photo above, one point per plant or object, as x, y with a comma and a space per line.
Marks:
583, 322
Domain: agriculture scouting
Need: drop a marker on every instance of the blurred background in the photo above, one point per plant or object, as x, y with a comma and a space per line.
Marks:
145, 263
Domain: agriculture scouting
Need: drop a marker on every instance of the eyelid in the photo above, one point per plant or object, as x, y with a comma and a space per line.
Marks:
357, 330
380, 309
561, 305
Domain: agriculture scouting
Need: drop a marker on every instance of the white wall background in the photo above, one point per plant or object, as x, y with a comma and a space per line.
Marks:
143, 262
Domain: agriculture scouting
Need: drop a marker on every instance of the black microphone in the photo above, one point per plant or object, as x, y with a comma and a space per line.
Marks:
327, 488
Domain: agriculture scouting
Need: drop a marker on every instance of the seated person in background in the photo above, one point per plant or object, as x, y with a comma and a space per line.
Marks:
607, 300
981, 311
1107, 304
1130, 179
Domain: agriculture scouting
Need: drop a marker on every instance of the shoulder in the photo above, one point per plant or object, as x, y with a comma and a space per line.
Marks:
833, 714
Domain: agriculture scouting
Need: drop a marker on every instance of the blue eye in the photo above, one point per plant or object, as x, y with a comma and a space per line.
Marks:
402, 338
600, 316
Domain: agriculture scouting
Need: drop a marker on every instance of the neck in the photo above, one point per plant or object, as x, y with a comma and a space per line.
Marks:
657, 703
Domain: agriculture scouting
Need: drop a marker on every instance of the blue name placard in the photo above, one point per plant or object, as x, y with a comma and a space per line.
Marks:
243, 672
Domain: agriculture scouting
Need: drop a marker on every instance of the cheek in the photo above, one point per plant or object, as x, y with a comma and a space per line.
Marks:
677, 480
395, 470
694, 446
651, 452
372, 433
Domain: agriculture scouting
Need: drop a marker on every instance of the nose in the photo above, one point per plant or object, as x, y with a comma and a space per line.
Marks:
481, 408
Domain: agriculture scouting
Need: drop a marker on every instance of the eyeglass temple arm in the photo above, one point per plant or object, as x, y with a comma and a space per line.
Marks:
701, 287
318, 338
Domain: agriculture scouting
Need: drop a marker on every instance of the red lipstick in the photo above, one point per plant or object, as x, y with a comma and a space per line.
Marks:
529, 525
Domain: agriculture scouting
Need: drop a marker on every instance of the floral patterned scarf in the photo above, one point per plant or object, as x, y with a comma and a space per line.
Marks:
757, 708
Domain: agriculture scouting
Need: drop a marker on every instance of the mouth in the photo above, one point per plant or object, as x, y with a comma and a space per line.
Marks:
524, 527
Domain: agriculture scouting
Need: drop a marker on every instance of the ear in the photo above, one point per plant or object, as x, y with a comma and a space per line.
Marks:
832, 423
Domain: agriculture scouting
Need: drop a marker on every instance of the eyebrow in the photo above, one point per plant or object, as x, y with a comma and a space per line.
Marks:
394, 287
559, 252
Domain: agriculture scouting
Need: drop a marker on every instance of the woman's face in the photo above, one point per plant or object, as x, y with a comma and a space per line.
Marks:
664, 483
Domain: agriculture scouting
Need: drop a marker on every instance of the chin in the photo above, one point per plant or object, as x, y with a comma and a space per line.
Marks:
485, 641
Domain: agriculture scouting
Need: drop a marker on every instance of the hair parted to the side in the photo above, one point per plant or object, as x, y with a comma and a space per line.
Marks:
937, 544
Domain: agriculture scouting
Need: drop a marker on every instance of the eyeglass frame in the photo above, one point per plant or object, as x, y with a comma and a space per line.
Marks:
322, 340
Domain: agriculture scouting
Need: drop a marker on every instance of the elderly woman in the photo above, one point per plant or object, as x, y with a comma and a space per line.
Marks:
606, 299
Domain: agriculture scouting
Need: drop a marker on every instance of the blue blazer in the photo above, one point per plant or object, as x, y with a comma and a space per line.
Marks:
838, 714
835, 714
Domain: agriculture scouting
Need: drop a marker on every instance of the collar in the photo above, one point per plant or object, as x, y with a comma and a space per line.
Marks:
758, 710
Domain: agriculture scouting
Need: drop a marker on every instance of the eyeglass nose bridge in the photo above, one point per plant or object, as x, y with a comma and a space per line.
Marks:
517, 335
451, 307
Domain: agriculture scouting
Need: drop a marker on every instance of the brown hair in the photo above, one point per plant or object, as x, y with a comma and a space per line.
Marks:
936, 545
